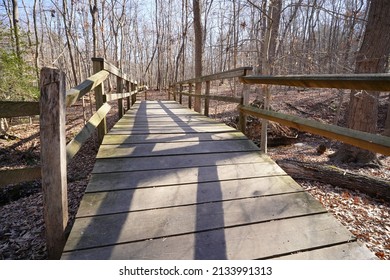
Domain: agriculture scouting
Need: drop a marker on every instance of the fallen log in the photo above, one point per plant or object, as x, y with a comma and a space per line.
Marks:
335, 176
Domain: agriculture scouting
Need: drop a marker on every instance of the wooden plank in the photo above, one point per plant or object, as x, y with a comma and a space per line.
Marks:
126, 227
153, 178
255, 241
74, 94
177, 148
75, 144
107, 165
173, 137
376, 82
199, 129
10, 109
103, 203
376, 143
347, 251
53, 158
15, 176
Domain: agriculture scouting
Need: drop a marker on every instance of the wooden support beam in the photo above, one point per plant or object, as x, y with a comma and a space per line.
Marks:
10, 109
245, 102
372, 142
119, 90
53, 159
207, 100
15, 176
99, 91
128, 89
190, 96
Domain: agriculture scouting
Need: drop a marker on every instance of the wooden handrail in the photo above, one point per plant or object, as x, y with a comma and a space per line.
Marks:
376, 143
74, 94
233, 73
375, 82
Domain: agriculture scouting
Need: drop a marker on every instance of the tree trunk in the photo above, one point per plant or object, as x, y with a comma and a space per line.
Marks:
15, 19
338, 177
198, 52
371, 58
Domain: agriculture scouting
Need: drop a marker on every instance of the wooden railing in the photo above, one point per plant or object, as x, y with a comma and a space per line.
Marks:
376, 82
55, 153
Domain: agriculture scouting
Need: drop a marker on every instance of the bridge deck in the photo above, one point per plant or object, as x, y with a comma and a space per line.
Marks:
170, 183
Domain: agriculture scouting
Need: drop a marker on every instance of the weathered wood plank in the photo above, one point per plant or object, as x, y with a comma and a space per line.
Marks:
103, 203
15, 176
10, 109
107, 165
199, 129
174, 137
346, 251
177, 148
255, 241
152, 178
115, 96
126, 227
233, 73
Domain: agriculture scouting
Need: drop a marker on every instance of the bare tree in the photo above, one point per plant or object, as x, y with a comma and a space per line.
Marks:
372, 58
198, 52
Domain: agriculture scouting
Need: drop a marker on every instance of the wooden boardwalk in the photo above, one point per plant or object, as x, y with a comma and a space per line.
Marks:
170, 183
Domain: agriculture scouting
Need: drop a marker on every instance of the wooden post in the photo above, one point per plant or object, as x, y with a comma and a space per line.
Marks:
189, 96
119, 89
206, 100
245, 101
134, 96
264, 122
98, 65
180, 94
128, 89
53, 159
169, 91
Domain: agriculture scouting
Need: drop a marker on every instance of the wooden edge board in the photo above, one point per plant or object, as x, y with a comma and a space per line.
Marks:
10, 109
15, 176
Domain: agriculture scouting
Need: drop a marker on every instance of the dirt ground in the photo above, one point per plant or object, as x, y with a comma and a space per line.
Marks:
21, 210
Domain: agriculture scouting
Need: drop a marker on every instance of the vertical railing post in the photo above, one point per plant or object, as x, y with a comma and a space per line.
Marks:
98, 65
244, 102
189, 96
175, 92
206, 100
53, 159
181, 94
134, 96
119, 89
128, 89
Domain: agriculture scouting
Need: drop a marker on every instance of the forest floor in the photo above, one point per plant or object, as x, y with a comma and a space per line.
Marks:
22, 227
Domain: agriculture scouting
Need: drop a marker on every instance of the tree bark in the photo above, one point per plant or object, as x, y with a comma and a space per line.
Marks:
15, 19
337, 177
198, 52
371, 58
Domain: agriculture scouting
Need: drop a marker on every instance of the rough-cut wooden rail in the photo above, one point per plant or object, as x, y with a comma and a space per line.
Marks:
169, 183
